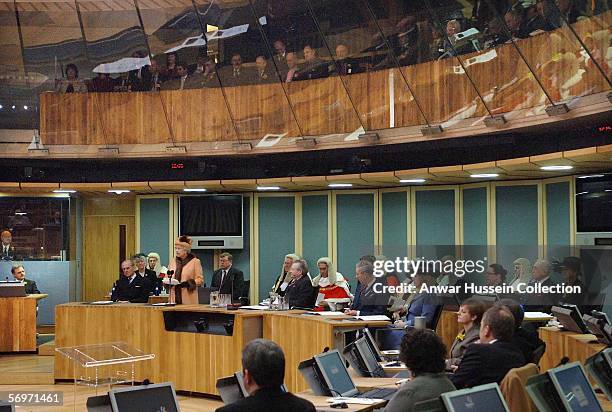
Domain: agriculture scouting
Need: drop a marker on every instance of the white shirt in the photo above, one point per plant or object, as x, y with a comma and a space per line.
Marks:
132, 278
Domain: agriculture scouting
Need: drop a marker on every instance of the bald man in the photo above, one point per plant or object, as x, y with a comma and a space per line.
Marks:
8, 250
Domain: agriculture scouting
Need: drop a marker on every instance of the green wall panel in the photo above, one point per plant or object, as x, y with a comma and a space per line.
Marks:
155, 227
355, 231
394, 224
276, 238
315, 240
558, 220
435, 223
516, 215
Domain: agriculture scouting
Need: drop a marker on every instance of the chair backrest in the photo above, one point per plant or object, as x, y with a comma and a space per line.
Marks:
513, 388
245, 293
538, 353
436, 317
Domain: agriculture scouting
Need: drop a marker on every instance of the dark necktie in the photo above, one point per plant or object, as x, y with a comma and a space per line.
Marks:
70, 89
223, 273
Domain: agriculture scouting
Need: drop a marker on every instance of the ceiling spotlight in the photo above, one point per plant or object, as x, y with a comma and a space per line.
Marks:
589, 176
264, 188
64, 191
25, 107
339, 185
581, 193
556, 167
1, 107
484, 175
412, 180
118, 191
13, 107
194, 189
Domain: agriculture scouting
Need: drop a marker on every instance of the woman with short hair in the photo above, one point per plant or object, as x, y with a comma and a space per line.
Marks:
469, 316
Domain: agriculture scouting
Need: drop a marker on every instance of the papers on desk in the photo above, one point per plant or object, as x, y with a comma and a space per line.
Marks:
255, 307
357, 401
373, 317
537, 316
326, 313
102, 302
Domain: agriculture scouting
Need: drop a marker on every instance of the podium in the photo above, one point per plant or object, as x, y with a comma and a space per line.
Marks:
18, 320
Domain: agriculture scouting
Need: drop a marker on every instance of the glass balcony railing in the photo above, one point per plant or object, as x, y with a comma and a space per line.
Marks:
267, 70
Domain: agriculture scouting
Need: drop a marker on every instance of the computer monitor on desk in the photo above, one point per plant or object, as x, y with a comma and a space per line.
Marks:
479, 398
569, 316
145, 398
599, 367
362, 359
335, 374
12, 289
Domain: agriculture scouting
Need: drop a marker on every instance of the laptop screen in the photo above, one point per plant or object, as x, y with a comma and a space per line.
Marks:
481, 398
157, 397
335, 373
572, 384
366, 354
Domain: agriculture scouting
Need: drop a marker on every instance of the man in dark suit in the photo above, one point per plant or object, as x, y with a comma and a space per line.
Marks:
227, 279
131, 286
314, 67
370, 299
490, 360
8, 250
20, 274
300, 292
263, 366
140, 260
140, 79
541, 301
236, 74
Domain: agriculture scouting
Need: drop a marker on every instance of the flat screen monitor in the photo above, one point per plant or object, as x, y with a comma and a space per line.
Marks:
146, 398
480, 398
211, 215
369, 359
570, 318
599, 367
574, 388
229, 389
372, 343
335, 374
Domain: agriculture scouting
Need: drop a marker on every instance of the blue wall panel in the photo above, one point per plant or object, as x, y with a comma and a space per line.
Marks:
394, 224
314, 230
435, 223
355, 231
557, 220
276, 238
155, 226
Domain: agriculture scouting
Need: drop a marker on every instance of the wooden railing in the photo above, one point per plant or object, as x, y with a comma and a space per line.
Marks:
443, 91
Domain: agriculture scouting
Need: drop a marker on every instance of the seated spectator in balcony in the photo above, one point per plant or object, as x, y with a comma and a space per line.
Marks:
548, 15
314, 67
515, 23
72, 83
495, 34
236, 74
140, 79
292, 68
344, 64
122, 83
406, 42
486, 10
170, 71
200, 65
451, 46
102, 83
569, 11
210, 75
280, 57
156, 76
264, 73
182, 82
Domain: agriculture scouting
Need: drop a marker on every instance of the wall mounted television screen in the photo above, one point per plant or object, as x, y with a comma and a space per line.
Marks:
594, 202
211, 215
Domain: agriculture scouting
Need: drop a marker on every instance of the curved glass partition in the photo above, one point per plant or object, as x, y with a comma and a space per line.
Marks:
275, 72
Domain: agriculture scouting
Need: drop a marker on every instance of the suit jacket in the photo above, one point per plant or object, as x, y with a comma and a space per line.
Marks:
142, 84
368, 302
154, 281
460, 346
541, 301
135, 292
486, 363
245, 75
30, 286
269, 400
9, 254
424, 304
316, 69
301, 293
233, 282
527, 341
421, 388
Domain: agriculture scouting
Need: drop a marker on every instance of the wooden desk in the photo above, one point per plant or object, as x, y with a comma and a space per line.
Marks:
18, 320
321, 404
194, 361
559, 343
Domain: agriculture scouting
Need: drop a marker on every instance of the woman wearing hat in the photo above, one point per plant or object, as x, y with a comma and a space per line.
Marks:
187, 271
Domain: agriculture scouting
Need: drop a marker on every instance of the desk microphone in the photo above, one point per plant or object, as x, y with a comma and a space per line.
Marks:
563, 361
169, 274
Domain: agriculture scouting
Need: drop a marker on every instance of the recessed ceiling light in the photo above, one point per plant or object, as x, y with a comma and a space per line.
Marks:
412, 180
118, 191
581, 193
264, 188
338, 185
64, 191
484, 175
556, 167
20, 213
194, 189
589, 176
607, 190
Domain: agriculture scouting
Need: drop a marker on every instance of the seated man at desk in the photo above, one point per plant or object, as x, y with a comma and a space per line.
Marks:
300, 292
131, 287
228, 279
19, 273
263, 365
370, 299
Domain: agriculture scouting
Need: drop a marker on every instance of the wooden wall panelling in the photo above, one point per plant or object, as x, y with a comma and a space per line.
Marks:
448, 328
16, 314
101, 221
